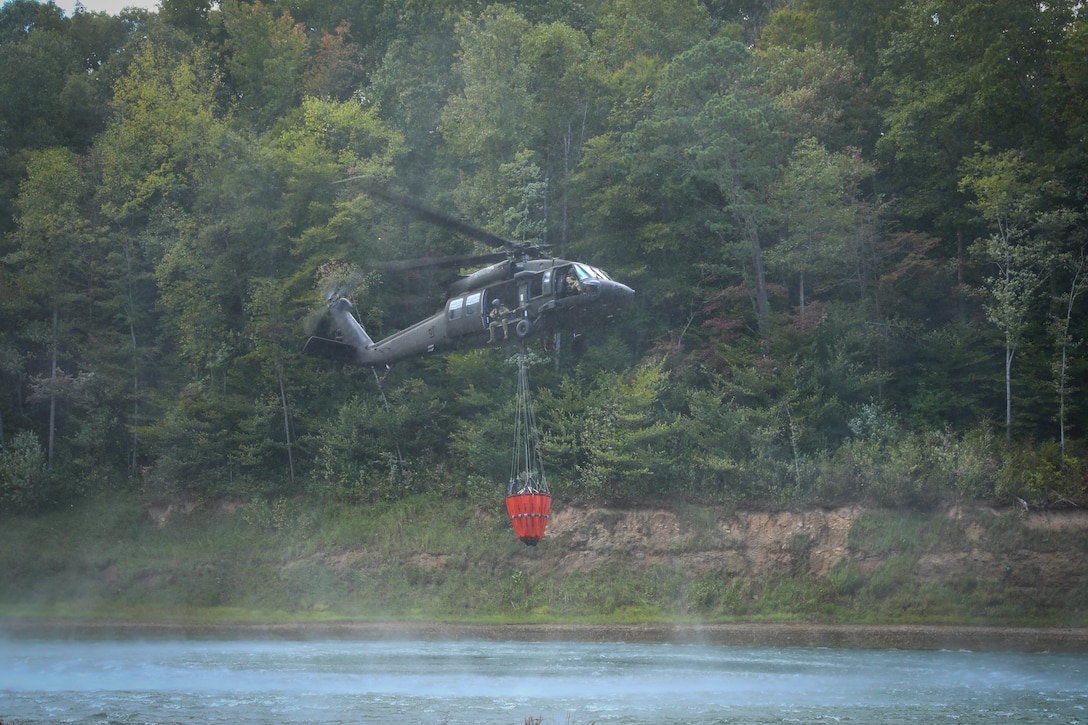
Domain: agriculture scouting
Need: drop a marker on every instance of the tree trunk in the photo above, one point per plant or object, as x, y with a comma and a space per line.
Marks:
763, 305
1075, 288
52, 394
1010, 351
131, 302
801, 294
286, 425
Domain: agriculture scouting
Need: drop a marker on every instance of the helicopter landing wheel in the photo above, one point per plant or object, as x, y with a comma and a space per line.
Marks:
523, 328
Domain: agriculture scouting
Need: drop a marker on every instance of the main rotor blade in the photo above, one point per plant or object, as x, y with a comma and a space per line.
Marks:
437, 217
458, 261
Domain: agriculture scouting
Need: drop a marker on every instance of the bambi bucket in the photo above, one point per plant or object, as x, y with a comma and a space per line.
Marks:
529, 515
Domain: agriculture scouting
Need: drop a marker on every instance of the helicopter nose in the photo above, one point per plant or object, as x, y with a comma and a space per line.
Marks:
617, 295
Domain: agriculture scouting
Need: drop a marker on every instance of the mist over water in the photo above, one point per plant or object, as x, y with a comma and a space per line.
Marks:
565, 683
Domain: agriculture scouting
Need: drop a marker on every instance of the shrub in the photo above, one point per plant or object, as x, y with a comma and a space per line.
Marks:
1038, 474
915, 470
23, 475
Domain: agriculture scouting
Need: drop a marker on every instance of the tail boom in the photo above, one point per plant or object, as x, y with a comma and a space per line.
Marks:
354, 345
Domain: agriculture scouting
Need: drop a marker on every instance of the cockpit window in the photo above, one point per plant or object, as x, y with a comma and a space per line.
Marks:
584, 271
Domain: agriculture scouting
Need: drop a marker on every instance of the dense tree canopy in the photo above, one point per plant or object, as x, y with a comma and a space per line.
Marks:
857, 236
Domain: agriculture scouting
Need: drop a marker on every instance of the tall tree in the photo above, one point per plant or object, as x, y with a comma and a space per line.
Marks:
336, 69
731, 145
266, 56
38, 61
164, 123
561, 81
55, 259
863, 29
1061, 327
490, 119
411, 87
818, 201
1005, 187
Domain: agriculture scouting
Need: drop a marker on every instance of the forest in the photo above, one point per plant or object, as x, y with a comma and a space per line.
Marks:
856, 232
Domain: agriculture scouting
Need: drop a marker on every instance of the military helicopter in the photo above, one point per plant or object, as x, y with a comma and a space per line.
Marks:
523, 295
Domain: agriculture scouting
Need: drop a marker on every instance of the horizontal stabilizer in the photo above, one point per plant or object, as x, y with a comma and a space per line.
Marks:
329, 349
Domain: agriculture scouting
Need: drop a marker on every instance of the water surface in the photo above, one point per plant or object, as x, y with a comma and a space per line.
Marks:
562, 683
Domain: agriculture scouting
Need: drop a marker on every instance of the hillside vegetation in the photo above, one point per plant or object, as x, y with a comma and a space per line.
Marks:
856, 232
434, 560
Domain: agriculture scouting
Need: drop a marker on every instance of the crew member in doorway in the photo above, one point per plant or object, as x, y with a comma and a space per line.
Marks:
499, 315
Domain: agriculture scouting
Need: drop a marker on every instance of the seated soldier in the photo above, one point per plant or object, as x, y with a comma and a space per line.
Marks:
499, 315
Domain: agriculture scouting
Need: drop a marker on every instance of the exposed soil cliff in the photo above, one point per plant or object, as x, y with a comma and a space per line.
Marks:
980, 542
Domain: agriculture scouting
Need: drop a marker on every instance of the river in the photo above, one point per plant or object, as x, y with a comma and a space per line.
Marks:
47, 680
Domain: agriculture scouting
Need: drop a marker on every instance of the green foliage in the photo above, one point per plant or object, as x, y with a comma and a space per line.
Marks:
487, 123
265, 56
658, 30
196, 454
380, 450
818, 193
163, 128
805, 329
915, 470
1040, 474
23, 477
611, 433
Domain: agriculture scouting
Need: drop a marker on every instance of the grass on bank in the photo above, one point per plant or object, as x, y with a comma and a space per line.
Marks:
426, 559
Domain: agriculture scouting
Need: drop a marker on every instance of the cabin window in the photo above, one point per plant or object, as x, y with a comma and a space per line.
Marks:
532, 285
456, 307
472, 304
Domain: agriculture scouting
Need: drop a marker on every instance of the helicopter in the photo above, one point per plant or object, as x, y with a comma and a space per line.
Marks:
522, 295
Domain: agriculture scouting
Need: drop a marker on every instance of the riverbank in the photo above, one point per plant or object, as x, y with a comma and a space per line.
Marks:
880, 578
741, 634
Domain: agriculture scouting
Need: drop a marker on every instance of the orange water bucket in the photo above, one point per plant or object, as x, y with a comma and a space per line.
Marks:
529, 515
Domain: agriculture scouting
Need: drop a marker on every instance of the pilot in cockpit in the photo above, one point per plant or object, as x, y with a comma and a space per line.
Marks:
574, 285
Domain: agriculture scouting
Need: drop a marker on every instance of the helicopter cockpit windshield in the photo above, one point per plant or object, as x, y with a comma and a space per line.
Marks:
584, 272
584, 279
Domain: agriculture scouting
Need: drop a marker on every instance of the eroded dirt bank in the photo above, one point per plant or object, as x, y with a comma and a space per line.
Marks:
980, 542
1038, 548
